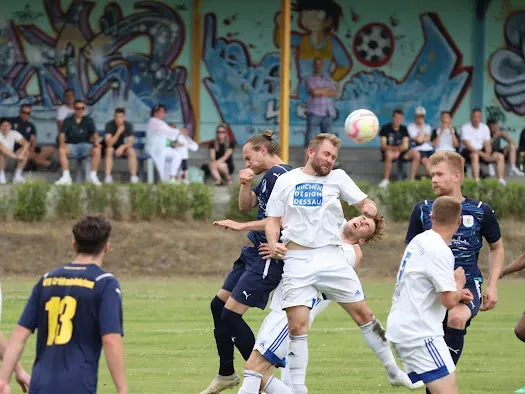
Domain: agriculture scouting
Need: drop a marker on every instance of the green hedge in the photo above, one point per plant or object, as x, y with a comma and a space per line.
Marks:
398, 199
36, 200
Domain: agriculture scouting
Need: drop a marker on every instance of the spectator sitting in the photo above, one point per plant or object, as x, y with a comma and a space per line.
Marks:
66, 109
118, 141
185, 144
395, 146
475, 137
498, 139
8, 138
420, 134
446, 137
161, 144
36, 154
221, 156
78, 137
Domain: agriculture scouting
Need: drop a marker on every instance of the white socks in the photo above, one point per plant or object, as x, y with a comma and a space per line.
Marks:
66, 174
18, 172
298, 361
374, 335
251, 383
275, 386
285, 375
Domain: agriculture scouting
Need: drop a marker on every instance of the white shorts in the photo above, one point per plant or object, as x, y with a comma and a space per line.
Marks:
272, 338
427, 359
325, 270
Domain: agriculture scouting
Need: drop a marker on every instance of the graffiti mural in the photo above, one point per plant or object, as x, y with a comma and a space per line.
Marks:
91, 60
246, 92
507, 66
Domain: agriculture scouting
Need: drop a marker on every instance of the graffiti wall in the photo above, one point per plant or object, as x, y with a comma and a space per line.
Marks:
130, 54
379, 57
504, 95
138, 53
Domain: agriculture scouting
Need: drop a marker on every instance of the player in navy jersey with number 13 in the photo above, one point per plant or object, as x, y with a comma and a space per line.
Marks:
77, 310
478, 221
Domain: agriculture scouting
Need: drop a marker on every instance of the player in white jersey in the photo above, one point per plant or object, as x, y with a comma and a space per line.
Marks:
306, 200
22, 377
427, 286
271, 344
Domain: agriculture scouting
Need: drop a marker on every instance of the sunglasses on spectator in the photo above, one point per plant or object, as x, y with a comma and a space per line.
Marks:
80, 108
221, 131
26, 112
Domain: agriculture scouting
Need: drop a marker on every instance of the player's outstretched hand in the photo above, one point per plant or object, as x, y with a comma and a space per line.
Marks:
490, 299
230, 224
5, 388
370, 209
246, 176
23, 379
266, 253
466, 295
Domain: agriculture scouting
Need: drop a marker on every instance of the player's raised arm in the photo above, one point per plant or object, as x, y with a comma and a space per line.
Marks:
247, 195
112, 332
515, 266
492, 233
351, 193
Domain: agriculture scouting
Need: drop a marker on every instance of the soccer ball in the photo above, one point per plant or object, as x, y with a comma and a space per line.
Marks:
361, 126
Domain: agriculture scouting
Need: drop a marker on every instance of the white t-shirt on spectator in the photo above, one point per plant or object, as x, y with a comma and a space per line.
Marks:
9, 140
311, 208
189, 144
64, 111
446, 139
413, 132
476, 137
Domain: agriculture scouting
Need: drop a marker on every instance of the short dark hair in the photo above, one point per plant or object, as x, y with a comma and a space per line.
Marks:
476, 110
398, 111
156, 109
69, 90
491, 121
91, 234
446, 113
26, 106
79, 101
120, 110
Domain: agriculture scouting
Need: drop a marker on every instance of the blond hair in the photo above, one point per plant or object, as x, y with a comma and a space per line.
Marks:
320, 138
452, 158
446, 210
378, 233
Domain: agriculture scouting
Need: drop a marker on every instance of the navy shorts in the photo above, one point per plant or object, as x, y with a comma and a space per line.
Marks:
474, 305
248, 287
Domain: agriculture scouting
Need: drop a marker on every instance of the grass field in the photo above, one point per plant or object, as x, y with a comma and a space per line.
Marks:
170, 347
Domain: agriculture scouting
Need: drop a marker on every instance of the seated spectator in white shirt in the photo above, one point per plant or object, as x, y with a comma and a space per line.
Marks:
420, 133
161, 143
475, 137
66, 109
446, 137
184, 144
501, 142
8, 138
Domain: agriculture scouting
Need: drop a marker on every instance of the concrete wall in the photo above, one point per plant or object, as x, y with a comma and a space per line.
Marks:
138, 54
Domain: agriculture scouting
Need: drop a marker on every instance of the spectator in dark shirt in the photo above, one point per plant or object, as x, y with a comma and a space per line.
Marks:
502, 143
118, 141
221, 156
38, 155
78, 137
395, 146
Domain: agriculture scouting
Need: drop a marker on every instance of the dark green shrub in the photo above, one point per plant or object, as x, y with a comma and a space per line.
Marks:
142, 201
201, 201
30, 203
233, 212
173, 201
68, 203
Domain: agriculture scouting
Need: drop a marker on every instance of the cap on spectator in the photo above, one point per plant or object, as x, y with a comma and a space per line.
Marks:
420, 111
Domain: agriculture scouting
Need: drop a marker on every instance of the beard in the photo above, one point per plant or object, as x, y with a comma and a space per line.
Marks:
441, 191
320, 169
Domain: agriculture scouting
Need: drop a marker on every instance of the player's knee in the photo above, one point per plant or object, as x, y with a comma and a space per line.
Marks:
228, 316
456, 321
298, 327
256, 363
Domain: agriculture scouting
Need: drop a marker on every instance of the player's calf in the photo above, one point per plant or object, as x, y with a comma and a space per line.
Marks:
455, 331
445, 385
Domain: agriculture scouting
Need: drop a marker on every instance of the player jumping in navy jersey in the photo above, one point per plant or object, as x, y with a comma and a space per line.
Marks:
478, 221
77, 310
252, 279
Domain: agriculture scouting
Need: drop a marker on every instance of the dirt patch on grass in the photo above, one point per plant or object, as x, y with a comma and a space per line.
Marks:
182, 249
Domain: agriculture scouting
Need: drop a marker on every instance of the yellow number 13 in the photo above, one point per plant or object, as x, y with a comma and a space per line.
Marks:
60, 313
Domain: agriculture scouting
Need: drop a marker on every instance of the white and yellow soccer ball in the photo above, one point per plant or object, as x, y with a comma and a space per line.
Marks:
361, 126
